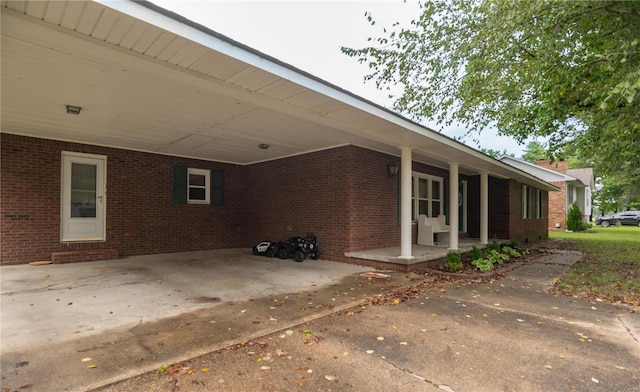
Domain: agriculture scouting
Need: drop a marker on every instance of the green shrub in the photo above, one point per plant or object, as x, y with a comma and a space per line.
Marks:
574, 219
494, 245
453, 261
511, 251
483, 264
475, 253
493, 257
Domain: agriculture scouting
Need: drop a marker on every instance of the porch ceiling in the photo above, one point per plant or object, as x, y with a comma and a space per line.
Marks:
183, 90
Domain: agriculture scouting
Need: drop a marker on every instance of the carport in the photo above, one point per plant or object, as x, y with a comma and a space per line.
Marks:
138, 91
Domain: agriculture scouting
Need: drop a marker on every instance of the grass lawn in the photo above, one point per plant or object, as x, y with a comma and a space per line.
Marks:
610, 269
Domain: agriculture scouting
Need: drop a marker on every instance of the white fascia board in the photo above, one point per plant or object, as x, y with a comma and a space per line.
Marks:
537, 170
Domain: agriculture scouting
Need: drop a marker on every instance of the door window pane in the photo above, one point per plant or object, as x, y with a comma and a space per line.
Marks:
83, 190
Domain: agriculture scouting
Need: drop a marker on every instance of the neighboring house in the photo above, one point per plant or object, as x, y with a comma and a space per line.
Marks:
128, 130
576, 185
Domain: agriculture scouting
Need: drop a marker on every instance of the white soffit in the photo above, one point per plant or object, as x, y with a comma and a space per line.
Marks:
150, 80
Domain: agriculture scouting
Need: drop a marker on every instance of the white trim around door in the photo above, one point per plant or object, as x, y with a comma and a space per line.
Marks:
83, 199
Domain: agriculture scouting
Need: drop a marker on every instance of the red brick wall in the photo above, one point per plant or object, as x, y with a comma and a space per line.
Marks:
557, 200
293, 196
558, 166
336, 194
558, 206
374, 203
505, 216
141, 217
343, 195
529, 229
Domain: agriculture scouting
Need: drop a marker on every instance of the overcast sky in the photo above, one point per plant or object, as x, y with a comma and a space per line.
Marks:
309, 34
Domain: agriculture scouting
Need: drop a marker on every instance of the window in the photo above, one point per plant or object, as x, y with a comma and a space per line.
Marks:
426, 195
525, 214
539, 204
197, 186
198, 189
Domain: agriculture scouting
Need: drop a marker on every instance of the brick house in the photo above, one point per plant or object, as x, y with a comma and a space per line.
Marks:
575, 185
127, 129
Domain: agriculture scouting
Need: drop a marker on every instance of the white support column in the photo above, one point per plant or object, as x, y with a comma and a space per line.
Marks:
453, 205
405, 203
484, 208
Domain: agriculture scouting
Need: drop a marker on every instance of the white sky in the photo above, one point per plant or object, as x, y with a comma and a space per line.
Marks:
308, 35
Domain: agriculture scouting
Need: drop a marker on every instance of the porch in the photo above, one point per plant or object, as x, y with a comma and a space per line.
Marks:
420, 253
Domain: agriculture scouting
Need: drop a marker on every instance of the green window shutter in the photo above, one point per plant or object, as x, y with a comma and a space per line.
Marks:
217, 187
179, 184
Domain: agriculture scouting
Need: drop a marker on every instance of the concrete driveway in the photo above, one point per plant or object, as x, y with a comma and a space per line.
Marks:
83, 326
132, 314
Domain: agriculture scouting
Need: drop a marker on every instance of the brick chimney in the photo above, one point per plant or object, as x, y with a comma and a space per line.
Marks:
559, 166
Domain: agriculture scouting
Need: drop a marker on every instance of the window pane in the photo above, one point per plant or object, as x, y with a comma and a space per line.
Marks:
197, 194
196, 179
423, 188
83, 190
435, 208
423, 206
435, 190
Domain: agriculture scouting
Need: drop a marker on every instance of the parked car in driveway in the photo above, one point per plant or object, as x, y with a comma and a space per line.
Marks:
631, 218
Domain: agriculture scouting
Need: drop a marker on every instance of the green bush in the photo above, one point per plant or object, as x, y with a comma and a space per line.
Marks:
574, 219
495, 257
494, 245
511, 251
453, 261
483, 264
475, 253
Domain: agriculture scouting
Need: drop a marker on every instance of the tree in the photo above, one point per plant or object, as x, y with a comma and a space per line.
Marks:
574, 219
567, 71
494, 153
534, 151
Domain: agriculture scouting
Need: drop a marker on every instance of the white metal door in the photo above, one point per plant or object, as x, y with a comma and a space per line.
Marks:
83, 197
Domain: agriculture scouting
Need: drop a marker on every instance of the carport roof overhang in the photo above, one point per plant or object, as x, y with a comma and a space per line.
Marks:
150, 80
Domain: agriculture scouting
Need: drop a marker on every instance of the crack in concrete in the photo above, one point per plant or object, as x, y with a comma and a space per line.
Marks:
629, 330
419, 377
